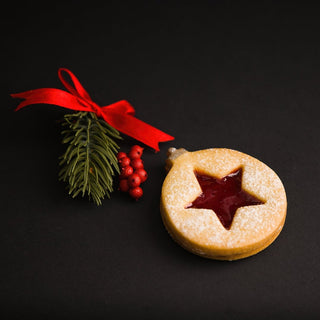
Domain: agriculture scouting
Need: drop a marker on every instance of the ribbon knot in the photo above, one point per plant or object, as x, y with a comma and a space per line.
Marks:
119, 115
96, 109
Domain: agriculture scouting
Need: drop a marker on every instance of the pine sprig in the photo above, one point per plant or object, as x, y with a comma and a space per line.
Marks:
90, 162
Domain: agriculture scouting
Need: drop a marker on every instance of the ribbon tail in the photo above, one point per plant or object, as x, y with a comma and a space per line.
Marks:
136, 129
53, 96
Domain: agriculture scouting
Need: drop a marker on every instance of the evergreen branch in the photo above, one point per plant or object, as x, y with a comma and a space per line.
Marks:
89, 162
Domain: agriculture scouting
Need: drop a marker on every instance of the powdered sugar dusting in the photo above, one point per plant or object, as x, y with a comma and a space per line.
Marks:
201, 227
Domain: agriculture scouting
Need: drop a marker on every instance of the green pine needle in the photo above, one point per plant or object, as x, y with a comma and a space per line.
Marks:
90, 161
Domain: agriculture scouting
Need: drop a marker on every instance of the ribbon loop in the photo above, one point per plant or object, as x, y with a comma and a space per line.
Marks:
119, 115
78, 89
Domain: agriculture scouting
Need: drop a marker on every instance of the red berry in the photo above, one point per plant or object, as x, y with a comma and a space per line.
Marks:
134, 180
137, 163
135, 152
136, 192
142, 174
126, 171
121, 155
138, 148
124, 162
124, 185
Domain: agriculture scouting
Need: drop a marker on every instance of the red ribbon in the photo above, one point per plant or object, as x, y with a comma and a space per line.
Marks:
119, 115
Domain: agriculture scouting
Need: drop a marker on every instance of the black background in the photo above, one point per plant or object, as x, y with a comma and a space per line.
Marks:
241, 75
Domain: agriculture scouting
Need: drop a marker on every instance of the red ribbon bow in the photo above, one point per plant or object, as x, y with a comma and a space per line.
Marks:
119, 115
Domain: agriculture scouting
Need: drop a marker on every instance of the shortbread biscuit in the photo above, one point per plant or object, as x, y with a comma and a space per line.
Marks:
246, 218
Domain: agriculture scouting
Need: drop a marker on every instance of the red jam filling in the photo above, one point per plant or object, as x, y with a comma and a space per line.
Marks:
224, 196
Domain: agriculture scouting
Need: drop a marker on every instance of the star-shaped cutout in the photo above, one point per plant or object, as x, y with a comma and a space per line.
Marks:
224, 196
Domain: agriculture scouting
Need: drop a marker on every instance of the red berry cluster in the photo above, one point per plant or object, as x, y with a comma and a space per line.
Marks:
132, 172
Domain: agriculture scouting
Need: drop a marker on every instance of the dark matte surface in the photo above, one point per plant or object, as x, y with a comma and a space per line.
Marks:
213, 74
